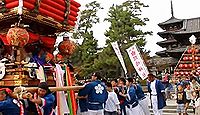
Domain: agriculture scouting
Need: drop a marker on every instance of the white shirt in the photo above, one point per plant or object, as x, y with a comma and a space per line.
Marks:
197, 102
188, 94
153, 87
112, 103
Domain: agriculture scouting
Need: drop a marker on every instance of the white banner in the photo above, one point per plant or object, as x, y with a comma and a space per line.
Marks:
137, 61
119, 55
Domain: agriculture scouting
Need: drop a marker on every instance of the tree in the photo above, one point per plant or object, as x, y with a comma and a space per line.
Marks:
125, 29
86, 53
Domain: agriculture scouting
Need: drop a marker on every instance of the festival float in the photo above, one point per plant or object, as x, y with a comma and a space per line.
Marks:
189, 63
28, 33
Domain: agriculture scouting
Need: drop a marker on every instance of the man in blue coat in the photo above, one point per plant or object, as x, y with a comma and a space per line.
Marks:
143, 102
8, 105
44, 100
132, 106
96, 94
157, 94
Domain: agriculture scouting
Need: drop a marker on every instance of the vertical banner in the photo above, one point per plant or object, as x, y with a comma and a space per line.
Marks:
62, 107
71, 93
137, 61
119, 55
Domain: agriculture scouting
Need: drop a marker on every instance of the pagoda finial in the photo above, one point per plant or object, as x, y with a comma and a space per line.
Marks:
172, 11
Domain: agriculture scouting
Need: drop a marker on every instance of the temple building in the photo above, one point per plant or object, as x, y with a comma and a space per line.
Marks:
175, 34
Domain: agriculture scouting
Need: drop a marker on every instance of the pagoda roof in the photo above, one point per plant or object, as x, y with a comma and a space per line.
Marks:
166, 42
165, 33
172, 20
159, 61
162, 53
177, 50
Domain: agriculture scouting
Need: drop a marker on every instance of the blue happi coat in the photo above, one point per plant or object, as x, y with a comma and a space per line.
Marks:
131, 95
139, 92
97, 95
159, 87
47, 105
9, 107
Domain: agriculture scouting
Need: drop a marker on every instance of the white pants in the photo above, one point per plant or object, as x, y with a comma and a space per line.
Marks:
154, 102
134, 111
82, 113
95, 112
144, 105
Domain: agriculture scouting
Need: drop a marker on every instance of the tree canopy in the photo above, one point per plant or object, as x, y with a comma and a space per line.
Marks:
125, 27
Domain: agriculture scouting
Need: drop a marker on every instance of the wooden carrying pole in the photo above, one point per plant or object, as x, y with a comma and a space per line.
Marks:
53, 89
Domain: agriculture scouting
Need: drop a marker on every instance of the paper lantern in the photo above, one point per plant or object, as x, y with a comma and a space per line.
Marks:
190, 65
180, 66
185, 65
176, 73
196, 58
189, 51
66, 47
186, 73
17, 37
196, 50
190, 58
184, 58
182, 73
197, 65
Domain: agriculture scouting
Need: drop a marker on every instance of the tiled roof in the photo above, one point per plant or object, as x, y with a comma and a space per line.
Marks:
165, 43
170, 21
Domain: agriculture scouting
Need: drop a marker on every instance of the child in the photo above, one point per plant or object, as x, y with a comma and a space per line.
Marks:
197, 102
181, 99
112, 104
188, 92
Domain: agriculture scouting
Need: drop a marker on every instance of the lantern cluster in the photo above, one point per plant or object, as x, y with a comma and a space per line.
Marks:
191, 50
189, 62
185, 73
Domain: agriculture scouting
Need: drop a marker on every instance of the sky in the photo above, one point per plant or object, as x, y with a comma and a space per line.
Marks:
158, 11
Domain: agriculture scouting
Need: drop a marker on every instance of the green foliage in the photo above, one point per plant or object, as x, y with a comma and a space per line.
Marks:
84, 56
125, 29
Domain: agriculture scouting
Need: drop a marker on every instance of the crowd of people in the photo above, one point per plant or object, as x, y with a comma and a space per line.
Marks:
187, 91
116, 97
120, 97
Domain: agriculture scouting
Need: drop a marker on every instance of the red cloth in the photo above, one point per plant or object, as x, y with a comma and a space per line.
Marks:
6, 89
4, 39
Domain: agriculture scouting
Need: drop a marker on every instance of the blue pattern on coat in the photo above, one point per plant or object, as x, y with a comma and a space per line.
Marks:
159, 87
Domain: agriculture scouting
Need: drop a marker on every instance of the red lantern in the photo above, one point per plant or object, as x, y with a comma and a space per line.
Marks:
185, 58
66, 47
189, 51
190, 65
176, 73
17, 37
180, 66
182, 73
190, 58
186, 73
196, 58
196, 51
185, 65
197, 65
197, 73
